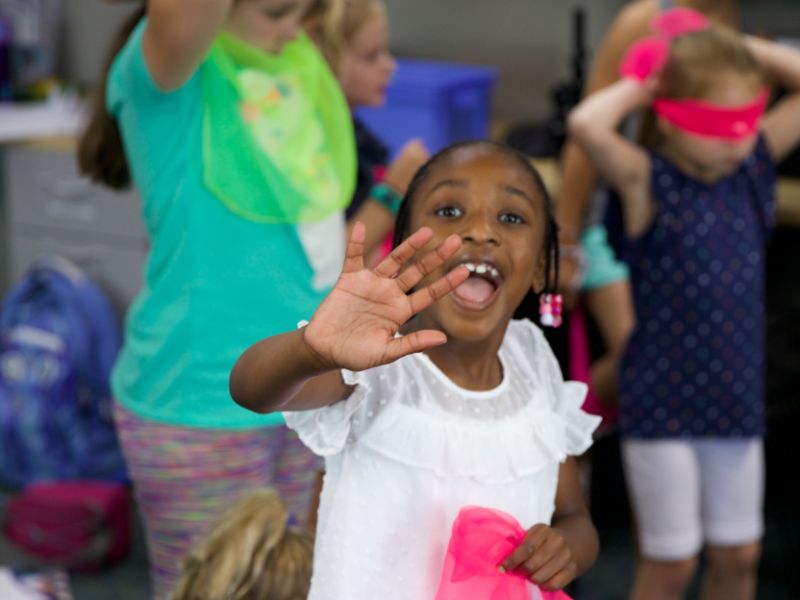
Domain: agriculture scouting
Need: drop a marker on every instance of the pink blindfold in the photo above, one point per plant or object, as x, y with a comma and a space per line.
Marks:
711, 120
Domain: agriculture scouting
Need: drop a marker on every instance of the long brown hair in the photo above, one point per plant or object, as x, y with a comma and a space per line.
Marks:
101, 156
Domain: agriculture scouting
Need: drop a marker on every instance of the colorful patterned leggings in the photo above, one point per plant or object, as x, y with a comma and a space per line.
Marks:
185, 477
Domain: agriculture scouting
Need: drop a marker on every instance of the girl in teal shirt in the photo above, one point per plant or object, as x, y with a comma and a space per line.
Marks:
240, 144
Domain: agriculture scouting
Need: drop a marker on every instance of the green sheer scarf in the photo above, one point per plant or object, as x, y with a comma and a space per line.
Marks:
278, 141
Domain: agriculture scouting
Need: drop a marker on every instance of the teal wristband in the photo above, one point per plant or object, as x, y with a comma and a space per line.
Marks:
386, 196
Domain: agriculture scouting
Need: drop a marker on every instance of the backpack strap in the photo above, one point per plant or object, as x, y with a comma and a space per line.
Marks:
66, 268
91, 310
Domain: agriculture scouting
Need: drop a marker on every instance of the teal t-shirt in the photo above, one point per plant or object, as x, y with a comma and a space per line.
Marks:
213, 283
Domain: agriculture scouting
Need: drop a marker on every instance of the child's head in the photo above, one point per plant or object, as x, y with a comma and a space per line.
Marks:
493, 198
250, 554
354, 37
712, 66
267, 24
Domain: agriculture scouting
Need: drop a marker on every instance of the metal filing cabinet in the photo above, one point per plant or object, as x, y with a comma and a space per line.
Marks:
51, 209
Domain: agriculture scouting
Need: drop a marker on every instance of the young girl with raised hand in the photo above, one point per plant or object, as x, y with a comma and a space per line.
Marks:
697, 210
424, 396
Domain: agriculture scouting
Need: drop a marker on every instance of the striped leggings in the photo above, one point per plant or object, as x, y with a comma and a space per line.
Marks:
184, 477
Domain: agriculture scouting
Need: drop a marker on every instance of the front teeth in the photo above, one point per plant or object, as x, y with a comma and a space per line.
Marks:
482, 269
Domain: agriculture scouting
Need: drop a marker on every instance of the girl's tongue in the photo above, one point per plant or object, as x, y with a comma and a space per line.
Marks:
474, 290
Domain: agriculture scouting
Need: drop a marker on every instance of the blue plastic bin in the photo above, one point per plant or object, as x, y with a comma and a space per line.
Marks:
439, 102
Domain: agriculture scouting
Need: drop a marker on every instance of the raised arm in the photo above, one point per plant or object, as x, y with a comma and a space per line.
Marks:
354, 328
178, 35
578, 173
377, 217
626, 166
781, 125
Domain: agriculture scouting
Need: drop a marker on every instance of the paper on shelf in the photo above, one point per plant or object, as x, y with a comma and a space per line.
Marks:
59, 116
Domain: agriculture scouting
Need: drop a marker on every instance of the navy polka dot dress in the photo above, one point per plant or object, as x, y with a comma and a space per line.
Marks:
694, 364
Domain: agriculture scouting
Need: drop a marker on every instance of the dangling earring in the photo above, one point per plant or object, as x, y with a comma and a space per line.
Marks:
550, 309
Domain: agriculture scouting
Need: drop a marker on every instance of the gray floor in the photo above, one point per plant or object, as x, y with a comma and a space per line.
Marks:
128, 580
607, 580
779, 577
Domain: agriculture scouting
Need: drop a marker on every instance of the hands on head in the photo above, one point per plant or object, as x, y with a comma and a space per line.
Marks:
356, 325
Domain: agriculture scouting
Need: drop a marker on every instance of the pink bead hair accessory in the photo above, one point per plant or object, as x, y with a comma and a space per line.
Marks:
481, 539
551, 308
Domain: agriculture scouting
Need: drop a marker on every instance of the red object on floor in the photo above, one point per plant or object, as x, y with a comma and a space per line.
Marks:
81, 525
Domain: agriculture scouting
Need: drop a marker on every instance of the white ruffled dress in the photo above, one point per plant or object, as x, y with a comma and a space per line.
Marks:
409, 448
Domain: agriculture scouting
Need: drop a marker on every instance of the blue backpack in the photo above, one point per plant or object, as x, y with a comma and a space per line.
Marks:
59, 337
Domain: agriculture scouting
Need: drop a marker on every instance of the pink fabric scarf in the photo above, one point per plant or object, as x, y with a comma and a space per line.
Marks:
482, 538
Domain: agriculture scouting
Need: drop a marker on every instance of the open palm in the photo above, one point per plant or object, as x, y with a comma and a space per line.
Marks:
356, 325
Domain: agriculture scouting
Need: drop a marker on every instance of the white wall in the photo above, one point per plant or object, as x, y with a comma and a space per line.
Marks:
89, 28
528, 41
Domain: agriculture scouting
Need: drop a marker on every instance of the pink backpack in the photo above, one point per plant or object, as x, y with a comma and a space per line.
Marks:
80, 525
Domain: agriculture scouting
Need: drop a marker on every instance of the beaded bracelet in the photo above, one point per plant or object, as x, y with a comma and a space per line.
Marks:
386, 196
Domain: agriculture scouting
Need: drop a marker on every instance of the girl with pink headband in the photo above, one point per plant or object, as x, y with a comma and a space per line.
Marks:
697, 208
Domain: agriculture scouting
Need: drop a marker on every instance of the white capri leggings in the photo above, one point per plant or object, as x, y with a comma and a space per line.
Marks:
686, 493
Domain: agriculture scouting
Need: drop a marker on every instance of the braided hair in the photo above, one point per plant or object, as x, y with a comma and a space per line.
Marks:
403, 219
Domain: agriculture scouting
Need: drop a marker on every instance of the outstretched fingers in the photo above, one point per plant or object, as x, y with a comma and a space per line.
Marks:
422, 299
394, 263
354, 257
428, 263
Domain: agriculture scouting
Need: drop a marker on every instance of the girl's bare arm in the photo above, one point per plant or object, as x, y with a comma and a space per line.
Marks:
572, 518
781, 125
178, 35
554, 555
354, 328
624, 164
579, 174
378, 219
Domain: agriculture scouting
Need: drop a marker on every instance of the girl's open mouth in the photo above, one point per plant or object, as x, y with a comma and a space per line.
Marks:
482, 287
